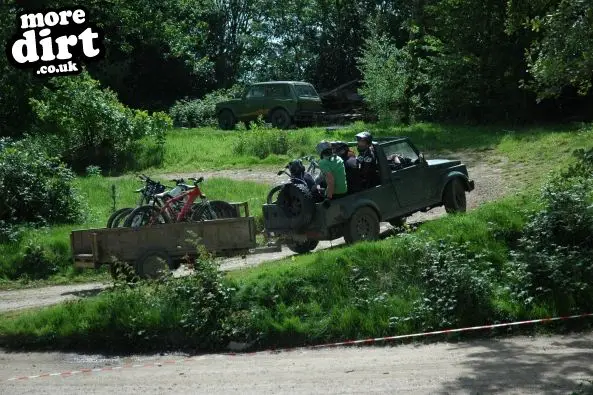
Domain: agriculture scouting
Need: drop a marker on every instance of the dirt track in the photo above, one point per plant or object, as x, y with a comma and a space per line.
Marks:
486, 170
520, 365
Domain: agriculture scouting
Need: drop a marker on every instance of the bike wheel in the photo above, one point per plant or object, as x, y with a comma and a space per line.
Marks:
116, 214
223, 209
143, 216
202, 212
120, 219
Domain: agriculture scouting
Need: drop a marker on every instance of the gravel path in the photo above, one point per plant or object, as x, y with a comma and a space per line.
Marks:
516, 365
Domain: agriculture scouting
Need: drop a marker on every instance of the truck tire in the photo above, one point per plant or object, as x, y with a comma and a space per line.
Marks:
117, 214
454, 196
363, 225
152, 264
302, 247
280, 119
226, 120
296, 201
397, 222
140, 216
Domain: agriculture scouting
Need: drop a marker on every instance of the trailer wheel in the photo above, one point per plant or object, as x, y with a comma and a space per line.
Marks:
153, 264
302, 247
297, 203
363, 225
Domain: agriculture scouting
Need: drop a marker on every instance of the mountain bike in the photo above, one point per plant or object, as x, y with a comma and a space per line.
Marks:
147, 193
181, 208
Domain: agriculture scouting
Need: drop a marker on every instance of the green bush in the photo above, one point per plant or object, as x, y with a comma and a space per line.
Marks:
200, 112
36, 189
458, 288
87, 125
35, 264
555, 254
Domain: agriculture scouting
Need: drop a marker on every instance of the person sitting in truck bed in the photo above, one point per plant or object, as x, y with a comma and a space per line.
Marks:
367, 160
333, 170
353, 181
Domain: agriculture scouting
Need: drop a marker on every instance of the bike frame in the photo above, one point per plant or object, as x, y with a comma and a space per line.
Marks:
191, 195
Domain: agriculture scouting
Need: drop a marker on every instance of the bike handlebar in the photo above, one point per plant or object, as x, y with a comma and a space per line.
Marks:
196, 180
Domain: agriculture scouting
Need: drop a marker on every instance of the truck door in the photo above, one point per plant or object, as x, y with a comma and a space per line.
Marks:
254, 102
407, 179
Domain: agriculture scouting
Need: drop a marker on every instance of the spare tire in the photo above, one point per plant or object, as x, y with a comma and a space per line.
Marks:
296, 201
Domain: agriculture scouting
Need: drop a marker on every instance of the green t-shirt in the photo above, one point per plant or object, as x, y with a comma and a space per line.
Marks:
335, 165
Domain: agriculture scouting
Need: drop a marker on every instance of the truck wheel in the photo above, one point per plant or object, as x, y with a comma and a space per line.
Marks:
363, 225
153, 264
397, 222
142, 215
302, 247
280, 119
454, 196
297, 203
226, 120
112, 218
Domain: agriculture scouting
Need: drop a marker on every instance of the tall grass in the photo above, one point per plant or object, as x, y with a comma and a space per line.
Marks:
210, 148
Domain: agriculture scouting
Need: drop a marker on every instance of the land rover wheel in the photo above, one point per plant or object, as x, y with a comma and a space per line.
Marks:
454, 197
363, 225
226, 120
280, 119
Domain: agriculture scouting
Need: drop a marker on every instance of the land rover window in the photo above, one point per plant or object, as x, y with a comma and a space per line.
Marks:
256, 91
305, 91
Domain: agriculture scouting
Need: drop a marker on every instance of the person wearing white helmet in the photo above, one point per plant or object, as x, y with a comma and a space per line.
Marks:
367, 160
333, 170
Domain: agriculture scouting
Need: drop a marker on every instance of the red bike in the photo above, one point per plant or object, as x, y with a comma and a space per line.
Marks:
181, 207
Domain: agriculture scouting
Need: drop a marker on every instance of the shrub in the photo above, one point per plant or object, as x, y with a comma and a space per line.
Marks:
554, 258
35, 188
457, 288
35, 264
200, 112
90, 126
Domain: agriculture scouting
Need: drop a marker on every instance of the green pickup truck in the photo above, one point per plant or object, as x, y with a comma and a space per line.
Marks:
413, 185
282, 103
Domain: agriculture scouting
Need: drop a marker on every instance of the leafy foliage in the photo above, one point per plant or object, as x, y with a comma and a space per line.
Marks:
90, 126
555, 254
386, 76
36, 188
201, 112
458, 288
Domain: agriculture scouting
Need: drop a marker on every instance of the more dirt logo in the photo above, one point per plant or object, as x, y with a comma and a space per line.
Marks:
54, 42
